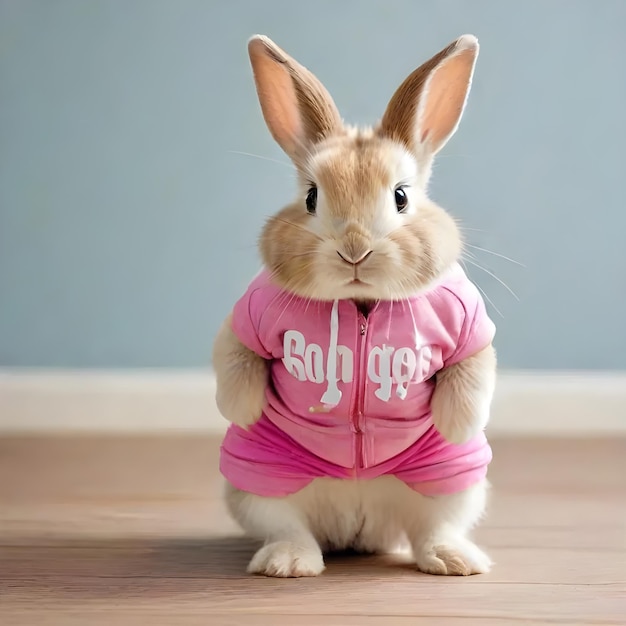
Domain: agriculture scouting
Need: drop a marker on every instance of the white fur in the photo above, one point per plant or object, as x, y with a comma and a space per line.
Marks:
379, 515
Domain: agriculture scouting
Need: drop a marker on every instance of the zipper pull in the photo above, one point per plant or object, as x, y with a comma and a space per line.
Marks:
362, 328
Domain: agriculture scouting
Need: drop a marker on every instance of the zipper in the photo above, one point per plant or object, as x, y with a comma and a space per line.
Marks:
359, 400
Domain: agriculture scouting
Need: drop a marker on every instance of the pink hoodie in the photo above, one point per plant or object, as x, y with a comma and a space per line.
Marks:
349, 395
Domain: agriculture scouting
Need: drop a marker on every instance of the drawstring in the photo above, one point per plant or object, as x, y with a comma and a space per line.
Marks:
332, 395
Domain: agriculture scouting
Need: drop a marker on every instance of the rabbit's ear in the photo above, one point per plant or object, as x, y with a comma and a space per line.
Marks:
426, 109
296, 106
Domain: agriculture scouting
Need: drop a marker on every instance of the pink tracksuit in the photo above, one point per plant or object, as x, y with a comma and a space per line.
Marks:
349, 395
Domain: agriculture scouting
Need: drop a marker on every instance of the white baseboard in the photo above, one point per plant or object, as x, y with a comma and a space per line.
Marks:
153, 401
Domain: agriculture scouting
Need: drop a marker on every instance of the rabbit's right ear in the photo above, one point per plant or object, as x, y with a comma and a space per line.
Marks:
296, 106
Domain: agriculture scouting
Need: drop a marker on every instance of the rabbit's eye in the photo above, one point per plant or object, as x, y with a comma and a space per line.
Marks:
311, 201
401, 200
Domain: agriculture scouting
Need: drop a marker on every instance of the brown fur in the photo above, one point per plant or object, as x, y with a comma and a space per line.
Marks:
356, 173
353, 174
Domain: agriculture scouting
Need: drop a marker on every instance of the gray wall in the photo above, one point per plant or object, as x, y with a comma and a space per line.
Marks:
128, 225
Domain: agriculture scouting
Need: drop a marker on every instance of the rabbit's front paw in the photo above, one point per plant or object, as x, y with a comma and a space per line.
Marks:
458, 427
243, 406
284, 559
242, 377
460, 415
462, 398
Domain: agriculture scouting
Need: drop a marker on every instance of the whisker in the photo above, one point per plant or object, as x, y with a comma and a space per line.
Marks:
295, 256
476, 230
502, 256
497, 310
286, 302
306, 230
263, 158
480, 267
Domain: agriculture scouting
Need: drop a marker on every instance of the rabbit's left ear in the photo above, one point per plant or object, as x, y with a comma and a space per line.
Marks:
426, 109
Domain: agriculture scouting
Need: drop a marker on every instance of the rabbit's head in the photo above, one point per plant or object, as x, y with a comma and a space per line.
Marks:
362, 226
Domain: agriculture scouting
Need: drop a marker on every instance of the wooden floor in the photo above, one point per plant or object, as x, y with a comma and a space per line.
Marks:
132, 531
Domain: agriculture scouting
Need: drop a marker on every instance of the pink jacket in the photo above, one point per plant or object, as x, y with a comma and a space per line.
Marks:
349, 395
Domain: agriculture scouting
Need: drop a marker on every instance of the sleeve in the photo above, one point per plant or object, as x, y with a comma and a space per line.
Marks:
477, 330
246, 321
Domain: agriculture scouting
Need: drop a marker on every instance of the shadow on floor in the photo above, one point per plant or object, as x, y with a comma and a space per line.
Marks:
100, 567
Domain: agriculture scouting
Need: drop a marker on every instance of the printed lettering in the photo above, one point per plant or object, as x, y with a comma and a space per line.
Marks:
314, 363
425, 355
386, 366
381, 356
345, 364
293, 345
404, 366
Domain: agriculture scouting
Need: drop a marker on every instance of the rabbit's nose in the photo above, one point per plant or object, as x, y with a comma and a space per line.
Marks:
354, 259
355, 247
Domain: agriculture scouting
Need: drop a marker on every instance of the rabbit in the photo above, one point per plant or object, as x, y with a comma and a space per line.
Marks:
358, 369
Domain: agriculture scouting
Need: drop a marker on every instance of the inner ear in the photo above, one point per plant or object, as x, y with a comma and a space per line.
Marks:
277, 96
426, 109
297, 108
446, 93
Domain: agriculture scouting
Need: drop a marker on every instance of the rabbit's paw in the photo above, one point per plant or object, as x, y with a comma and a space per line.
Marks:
244, 407
284, 559
458, 558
